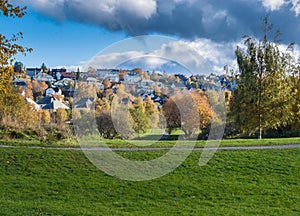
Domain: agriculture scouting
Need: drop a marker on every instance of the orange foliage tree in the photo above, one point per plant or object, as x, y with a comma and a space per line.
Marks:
189, 111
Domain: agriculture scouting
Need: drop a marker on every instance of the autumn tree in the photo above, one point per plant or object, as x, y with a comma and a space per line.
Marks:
8, 46
61, 116
15, 112
263, 97
122, 74
151, 111
189, 111
45, 117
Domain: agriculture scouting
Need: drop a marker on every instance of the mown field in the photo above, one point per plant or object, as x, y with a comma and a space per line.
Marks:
149, 142
64, 182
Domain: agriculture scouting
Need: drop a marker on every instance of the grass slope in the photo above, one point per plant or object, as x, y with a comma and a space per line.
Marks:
53, 182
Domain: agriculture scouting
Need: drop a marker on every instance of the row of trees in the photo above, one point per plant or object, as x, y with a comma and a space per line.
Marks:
124, 115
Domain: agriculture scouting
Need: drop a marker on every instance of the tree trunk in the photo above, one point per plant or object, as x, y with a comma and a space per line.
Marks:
260, 127
260, 133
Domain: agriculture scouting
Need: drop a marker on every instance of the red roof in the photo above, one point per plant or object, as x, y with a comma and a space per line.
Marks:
68, 75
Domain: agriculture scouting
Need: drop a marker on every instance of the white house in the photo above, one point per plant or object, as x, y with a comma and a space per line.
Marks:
53, 91
113, 77
43, 77
132, 78
147, 83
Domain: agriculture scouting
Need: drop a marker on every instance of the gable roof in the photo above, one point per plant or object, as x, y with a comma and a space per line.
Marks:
68, 75
85, 103
46, 100
54, 105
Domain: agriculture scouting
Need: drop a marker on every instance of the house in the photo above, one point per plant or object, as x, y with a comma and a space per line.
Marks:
68, 91
132, 78
20, 83
34, 104
43, 77
91, 80
51, 103
113, 77
85, 103
178, 86
32, 72
63, 75
103, 73
147, 83
65, 82
53, 91
56, 70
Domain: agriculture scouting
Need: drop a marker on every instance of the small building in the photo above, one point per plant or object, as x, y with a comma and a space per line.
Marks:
85, 103
51, 103
43, 77
53, 91
32, 72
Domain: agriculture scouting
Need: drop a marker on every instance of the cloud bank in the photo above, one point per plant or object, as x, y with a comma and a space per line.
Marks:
189, 19
201, 56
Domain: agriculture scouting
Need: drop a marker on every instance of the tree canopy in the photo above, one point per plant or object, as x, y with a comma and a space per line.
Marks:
263, 99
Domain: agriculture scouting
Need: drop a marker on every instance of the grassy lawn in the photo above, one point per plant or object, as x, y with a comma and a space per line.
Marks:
150, 143
56, 182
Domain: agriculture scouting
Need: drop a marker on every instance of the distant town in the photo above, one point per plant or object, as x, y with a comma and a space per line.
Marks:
51, 88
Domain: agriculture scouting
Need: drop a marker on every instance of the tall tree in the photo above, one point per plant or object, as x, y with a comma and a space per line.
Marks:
8, 46
18, 67
139, 116
263, 97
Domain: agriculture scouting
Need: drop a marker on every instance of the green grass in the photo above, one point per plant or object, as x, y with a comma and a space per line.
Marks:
118, 143
60, 182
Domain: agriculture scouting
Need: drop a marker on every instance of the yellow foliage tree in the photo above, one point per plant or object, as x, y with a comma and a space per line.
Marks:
61, 116
45, 118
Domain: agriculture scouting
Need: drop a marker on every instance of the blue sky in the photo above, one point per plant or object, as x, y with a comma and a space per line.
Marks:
71, 33
58, 43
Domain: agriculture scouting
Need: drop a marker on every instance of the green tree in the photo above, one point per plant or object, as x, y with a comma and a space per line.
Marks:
8, 46
139, 116
18, 67
44, 68
263, 98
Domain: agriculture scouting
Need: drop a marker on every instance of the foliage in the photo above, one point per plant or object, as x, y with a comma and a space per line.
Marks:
16, 112
263, 98
139, 116
46, 117
61, 116
189, 111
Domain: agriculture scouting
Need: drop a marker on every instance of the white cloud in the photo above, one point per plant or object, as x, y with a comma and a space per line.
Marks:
273, 5
111, 60
199, 56
296, 6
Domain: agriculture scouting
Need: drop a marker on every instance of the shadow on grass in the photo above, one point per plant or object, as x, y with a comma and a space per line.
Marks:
158, 137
